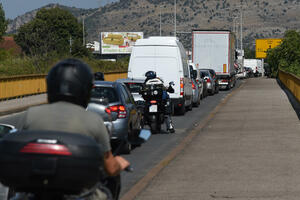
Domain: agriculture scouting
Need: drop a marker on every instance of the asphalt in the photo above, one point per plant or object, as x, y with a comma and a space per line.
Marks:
20, 104
249, 148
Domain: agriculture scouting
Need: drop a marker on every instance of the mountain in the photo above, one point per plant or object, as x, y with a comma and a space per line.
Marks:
261, 19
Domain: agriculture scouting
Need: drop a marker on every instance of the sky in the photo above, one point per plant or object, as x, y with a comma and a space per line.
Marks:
14, 8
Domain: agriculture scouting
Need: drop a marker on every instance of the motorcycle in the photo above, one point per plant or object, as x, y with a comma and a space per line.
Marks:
44, 165
155, 105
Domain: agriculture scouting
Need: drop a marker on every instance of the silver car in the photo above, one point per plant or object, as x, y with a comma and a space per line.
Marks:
196, 87
207, 76
126, 117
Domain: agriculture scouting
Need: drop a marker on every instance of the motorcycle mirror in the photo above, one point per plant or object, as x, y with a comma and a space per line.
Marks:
145, 134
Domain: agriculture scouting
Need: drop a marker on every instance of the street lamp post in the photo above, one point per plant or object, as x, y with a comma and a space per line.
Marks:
175, 17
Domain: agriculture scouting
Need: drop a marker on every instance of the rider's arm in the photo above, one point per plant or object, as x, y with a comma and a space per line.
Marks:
113, 165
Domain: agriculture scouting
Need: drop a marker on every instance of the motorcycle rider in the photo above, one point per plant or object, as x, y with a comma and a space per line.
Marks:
150, 75
69, 85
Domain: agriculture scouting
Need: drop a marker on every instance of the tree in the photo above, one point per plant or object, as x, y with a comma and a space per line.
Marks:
3, 22
249, 53
287, 55
50, 31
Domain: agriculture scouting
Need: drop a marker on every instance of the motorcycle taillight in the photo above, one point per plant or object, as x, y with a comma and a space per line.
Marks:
43, 148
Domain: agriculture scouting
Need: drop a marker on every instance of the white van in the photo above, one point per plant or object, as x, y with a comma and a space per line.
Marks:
167, 57
255, 65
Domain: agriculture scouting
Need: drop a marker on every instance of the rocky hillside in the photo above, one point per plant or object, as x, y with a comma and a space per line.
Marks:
261, 18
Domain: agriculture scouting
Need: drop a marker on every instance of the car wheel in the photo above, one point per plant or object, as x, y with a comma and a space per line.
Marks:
181, 110
127, 147
217, 89
197, 103
190, 107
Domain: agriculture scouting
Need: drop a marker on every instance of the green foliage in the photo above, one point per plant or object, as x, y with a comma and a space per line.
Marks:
50, 31
3, 22
78, 50
249, 53
287, 55
11, 65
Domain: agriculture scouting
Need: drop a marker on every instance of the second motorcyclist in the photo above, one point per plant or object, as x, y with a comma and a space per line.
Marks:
151, 76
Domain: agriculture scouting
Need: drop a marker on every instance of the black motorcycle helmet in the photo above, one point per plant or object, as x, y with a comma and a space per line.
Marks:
70, 80
99, 76
150, 75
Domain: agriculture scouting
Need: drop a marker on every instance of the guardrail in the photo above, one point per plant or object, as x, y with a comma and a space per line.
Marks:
290, 81
19, 86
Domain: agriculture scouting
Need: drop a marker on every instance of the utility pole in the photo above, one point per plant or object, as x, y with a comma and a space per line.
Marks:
241, 26
160, 21
83, 35
175, 17
70, 44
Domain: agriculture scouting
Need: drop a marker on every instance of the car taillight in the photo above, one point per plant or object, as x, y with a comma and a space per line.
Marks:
224, 81
193, 86
42, 148
181, 87
208, 80
120, 109
153, 102
107, 110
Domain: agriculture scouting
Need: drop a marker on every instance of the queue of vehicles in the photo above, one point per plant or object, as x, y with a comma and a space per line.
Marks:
122, 104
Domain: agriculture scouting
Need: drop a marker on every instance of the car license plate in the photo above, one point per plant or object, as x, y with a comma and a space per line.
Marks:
153, 108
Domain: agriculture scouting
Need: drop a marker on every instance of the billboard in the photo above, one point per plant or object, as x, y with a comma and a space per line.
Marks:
118, 42
262, 45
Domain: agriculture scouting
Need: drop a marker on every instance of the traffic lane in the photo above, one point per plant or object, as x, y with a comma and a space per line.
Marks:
160, 145
151, 153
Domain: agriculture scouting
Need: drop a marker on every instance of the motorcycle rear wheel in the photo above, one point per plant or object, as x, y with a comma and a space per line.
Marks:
155, 127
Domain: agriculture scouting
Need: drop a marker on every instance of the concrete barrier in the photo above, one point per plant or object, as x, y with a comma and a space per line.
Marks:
19, 86
291, 81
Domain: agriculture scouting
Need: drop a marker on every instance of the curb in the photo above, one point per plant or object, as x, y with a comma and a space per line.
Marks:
145, 181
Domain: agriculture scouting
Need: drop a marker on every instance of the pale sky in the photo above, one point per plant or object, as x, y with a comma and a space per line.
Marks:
14, 8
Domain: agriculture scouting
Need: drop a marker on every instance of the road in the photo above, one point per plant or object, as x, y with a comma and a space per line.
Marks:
151, 153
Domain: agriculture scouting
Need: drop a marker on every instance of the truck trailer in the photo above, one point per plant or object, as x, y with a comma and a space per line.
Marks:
215, 49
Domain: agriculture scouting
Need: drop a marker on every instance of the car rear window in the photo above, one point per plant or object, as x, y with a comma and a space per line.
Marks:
134, 87
105, 92
204, 73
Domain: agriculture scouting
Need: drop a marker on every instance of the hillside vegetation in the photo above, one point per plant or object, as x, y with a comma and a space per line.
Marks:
261, 18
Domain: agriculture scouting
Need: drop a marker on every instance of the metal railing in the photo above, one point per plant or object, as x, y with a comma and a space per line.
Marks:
19, 86
291, 81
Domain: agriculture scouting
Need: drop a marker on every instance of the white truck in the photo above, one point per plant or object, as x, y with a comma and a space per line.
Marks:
255, 65
215, 49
